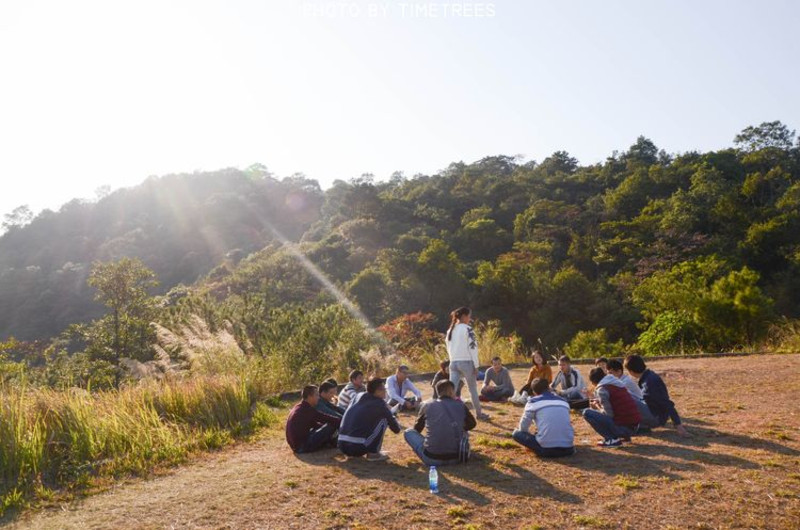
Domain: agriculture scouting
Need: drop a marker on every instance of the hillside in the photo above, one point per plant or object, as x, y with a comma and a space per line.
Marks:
740, 469
180, 226
670, 252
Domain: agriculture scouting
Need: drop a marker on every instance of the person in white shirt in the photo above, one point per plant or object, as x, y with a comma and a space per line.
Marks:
615, 369
398, 386
573, 388
462, 347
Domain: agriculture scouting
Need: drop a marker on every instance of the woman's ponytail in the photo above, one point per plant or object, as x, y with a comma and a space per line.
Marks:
455, 318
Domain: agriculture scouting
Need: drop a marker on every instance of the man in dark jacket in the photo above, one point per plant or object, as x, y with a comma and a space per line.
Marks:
447, 421
365, 422
308, 429
655, 407
613, 413
443, 374
327, 395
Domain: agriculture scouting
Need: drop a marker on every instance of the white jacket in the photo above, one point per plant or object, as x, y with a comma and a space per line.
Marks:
462, 346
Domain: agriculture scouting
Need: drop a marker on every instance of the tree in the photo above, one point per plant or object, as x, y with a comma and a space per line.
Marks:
123, 286
18, 217
644, 151
770, 134
735, 311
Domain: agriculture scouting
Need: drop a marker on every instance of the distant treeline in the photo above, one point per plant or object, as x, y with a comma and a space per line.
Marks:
647, 249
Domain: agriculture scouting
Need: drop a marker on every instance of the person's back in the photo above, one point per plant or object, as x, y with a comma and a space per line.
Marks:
551, 416
365, 422
631, 385
617, 402
655, 394
444, 423
656, 407
461, 344
554, 434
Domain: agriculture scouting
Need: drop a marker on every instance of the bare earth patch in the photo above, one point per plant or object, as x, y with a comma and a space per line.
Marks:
741, 469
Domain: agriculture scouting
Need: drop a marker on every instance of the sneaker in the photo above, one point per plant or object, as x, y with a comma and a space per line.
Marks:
520, 399
483, 416
396, 409
611, 442
378, 457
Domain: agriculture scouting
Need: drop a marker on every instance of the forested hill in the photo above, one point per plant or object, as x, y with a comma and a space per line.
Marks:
700, 248
181, 226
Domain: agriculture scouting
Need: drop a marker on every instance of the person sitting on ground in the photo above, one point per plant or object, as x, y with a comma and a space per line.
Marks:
497, 384
441, 375
601, 362
307, 429
398, 387
655, 407
355, 386
554, 435
365, 423
447, 421
615, 369
573, 388
327, 395
614, 414
539, 370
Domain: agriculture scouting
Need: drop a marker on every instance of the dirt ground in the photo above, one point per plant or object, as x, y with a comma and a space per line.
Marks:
740, 469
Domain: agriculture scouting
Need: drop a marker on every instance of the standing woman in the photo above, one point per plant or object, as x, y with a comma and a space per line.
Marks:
462, 347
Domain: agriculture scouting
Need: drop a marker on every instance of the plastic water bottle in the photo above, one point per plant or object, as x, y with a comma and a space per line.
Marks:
433, 479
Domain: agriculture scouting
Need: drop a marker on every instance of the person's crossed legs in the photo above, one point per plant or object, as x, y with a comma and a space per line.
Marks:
318, 438
529, 440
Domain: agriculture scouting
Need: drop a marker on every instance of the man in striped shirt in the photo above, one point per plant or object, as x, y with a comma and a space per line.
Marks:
354, 387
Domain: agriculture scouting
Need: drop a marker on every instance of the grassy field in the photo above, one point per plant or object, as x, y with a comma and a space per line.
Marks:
740, 469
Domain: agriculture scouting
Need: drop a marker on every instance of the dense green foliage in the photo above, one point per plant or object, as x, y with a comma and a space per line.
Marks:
663, 252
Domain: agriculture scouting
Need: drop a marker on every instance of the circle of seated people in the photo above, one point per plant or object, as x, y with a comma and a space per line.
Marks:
355, 421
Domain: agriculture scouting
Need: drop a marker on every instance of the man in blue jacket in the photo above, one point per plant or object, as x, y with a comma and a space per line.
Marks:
655, 407
365, 421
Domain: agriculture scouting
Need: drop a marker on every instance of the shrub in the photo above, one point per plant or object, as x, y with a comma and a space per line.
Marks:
595, 343
671, 333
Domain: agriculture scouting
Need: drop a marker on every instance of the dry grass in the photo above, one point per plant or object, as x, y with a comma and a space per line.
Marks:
735, 472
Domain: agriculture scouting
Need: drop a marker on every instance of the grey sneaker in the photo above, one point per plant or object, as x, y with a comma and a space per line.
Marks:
378, 457
483, 416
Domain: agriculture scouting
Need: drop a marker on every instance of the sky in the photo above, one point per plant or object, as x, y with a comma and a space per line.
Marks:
107, 93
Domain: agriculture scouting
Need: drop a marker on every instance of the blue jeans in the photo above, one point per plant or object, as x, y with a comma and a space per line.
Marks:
317, 439
648, 418
492, 393
466, 370
529, 440
417, 443
572, 394
605, 426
